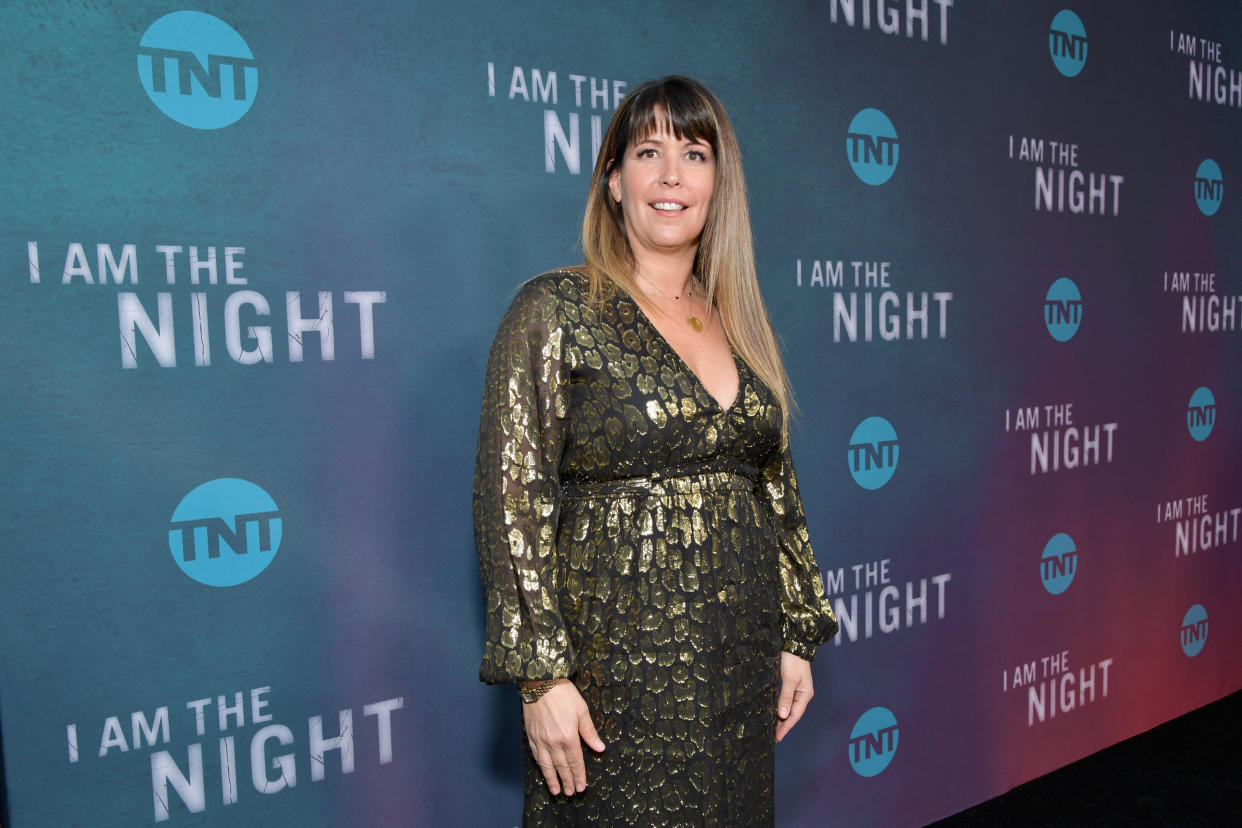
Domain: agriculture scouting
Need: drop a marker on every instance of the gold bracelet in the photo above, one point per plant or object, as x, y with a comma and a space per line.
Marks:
533, 694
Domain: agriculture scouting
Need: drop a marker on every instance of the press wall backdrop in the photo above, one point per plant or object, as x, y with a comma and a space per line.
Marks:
252, 255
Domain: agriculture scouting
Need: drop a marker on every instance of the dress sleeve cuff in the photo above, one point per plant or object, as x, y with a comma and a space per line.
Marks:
801, 650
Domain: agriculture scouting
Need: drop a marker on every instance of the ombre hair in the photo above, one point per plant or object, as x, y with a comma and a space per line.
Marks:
724, 265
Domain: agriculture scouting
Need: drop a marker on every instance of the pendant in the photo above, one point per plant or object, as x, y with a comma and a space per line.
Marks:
693, 322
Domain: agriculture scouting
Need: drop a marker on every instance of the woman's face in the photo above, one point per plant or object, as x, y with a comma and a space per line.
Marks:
664, 186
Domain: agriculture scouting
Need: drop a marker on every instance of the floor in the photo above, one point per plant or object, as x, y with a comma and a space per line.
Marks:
1185, 773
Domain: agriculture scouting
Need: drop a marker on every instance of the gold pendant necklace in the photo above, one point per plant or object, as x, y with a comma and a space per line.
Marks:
693, 321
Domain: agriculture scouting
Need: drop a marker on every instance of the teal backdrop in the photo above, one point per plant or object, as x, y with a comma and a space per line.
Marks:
251, 259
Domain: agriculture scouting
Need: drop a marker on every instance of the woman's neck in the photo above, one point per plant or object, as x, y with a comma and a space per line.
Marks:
670, 274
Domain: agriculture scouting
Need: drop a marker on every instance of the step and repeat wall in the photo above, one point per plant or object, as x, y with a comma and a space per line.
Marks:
252, 257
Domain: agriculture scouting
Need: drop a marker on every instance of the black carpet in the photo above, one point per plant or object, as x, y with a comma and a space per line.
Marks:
1187, 772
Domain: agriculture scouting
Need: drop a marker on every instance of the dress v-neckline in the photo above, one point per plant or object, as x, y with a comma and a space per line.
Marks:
668, 346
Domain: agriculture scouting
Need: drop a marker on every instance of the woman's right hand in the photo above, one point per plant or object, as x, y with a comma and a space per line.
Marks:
556, 726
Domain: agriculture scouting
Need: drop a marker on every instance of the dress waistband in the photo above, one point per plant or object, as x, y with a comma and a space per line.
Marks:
686, 479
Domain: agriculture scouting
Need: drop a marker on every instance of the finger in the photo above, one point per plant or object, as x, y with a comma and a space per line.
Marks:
577, 769
802, 696
565, 775
783, 730
797, 708
785, 703
586, 729
544, 758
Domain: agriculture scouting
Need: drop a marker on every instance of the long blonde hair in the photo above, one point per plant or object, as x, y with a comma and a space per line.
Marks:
725, 262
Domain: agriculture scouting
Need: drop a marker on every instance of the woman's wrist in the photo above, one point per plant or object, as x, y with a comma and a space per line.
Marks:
532, 691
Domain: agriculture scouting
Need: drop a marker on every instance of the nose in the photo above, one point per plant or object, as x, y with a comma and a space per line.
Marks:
670, 173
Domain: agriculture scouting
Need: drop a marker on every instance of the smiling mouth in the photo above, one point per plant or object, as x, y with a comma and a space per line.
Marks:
668, 205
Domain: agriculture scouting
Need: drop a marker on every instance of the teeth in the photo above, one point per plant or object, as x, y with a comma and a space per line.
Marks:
668, 205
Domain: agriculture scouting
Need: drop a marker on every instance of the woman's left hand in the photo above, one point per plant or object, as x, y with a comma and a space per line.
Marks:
796, 691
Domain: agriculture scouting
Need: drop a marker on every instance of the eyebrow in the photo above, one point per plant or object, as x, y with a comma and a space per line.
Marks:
650, 139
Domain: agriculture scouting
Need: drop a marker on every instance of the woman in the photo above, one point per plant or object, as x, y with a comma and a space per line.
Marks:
644, 552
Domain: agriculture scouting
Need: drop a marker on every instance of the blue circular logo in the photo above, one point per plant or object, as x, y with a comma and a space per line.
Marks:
197, 70
1067, 43
873, 453
224, 532
871, 147
1209, 187
1194, 630
873, 741
1058, 563
1063, 310
1201, 413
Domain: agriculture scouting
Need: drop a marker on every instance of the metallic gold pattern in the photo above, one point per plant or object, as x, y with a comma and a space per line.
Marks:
635, 537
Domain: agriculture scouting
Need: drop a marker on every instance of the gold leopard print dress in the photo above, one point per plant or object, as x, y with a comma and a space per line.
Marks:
635, 537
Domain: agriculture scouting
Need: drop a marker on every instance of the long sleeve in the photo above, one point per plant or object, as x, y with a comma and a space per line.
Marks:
807, 619
521, 435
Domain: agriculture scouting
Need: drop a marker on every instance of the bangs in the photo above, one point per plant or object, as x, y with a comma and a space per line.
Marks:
673, 106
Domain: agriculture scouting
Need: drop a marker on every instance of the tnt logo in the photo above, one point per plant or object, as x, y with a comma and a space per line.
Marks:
1063, 310
1067, 43
873, 741
197, 70
1194, 630
224, 532
1209, 187
871, 147
873, 453
1058, 563
1201, 413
